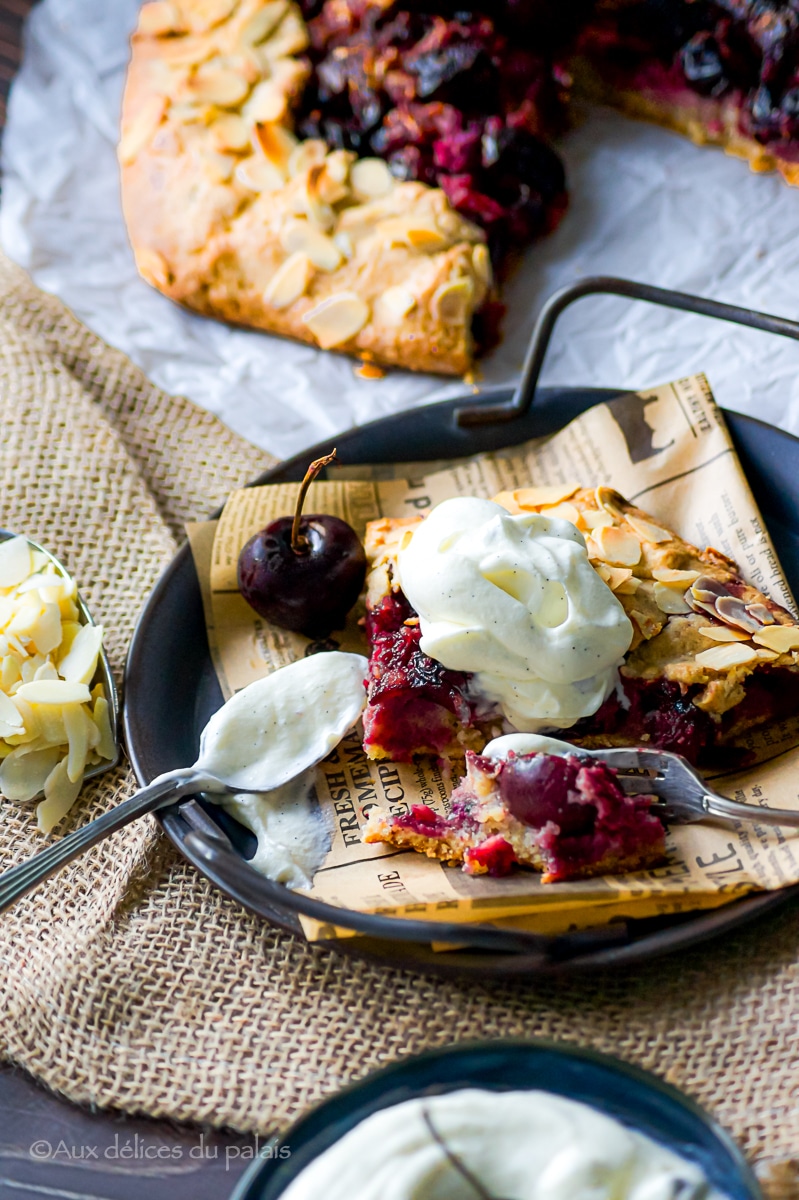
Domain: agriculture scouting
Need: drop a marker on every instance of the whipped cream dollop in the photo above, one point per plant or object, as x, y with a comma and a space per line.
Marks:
515, 601
522, 1145
268, 738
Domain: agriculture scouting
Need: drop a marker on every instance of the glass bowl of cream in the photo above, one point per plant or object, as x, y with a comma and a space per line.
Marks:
505, 1120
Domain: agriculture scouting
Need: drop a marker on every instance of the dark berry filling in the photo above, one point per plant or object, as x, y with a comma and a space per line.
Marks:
412, 698
581, 815
660, 713
746, 48
459, 98
582, 821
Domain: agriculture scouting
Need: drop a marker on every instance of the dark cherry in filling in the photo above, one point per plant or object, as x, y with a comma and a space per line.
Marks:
580, 816
457, 97
746, 47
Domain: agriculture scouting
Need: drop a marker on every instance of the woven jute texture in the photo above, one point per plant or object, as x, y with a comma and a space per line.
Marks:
129, 982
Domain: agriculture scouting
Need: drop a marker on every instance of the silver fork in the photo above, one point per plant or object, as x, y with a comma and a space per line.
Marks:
683, 797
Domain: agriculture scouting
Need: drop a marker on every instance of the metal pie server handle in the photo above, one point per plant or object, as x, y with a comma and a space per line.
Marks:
491, 414
162, 791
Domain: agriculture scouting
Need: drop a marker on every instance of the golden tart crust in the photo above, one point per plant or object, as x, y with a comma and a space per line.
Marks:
230, 215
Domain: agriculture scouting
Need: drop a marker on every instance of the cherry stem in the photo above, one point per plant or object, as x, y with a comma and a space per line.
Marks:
299, 543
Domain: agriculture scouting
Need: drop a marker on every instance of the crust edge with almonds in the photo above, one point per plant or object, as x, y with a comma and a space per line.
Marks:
701, 636
231, 216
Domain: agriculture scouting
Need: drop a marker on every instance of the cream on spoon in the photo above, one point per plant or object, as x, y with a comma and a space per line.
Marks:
267, 734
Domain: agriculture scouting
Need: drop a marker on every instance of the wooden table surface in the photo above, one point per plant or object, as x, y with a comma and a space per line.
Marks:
49, 1148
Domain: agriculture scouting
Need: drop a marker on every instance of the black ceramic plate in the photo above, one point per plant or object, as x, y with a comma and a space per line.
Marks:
171, 691
634, 1097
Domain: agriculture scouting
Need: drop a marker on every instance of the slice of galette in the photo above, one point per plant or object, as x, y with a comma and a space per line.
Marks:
563, 816
709, 658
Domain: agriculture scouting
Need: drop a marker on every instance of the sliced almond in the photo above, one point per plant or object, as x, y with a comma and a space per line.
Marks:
427, 239
562, 512
760, 613
289, 281
54, 691
609, 500
301, 236
614, 577
481, 261
337, 319
543, 495
451, 302
216, 167
290, 37
617, 546
723, 633
780, 638
187, 51
214, 84
371, 179
193, 114
202, 15
593, 518
153, 267
338, 165
60, 793
105, 747
767, 655
344, 243
721, 658
80, 662
395, 304
267, 103
629, 587
647, 530
670, 600
263, 23
160, 18
305, 155
15, 561
277, 144
23, 775
139, 132
230, 132
258, 175
672, 576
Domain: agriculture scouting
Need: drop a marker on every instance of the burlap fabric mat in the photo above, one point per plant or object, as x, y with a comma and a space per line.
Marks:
129, 982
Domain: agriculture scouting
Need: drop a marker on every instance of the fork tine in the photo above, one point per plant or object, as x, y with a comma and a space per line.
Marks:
636, 758
638, 785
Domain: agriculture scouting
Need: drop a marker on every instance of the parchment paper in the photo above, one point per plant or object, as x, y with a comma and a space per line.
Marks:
645, 204
685, 472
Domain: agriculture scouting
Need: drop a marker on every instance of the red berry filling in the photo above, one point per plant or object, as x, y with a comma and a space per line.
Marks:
411, 697
748, 49
458, 98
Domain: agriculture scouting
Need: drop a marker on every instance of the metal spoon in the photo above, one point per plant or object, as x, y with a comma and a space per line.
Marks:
330, 683
164, 790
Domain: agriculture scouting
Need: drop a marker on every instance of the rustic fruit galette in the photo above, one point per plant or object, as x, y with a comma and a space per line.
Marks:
677, 651
356, 173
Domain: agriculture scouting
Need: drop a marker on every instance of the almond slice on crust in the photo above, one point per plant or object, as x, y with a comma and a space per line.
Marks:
617, 546
337, 319
648, 531
721, 658
780, 638
723, 633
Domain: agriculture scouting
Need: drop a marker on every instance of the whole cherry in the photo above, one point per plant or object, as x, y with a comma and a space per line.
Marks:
304, 573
